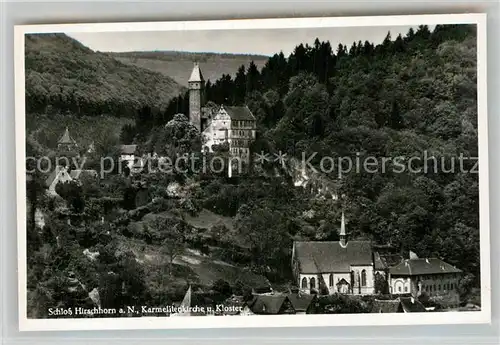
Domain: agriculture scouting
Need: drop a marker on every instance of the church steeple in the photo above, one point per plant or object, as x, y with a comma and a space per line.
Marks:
343, 235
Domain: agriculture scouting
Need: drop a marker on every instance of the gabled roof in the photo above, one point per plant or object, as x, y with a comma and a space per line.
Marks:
54, 174
239, 113
385, 306
196, 75
378, 263
66, 138
301, 301
327, 257
128, 149
423, 266
78, 173
267, 304
411, 305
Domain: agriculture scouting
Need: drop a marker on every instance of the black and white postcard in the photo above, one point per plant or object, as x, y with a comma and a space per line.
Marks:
253, 173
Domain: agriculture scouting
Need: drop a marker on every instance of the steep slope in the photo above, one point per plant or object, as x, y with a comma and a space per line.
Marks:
178, 65
64, 75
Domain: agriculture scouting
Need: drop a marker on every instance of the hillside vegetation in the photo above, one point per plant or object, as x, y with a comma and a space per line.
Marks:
157, 232
62, 75
178, 65
412, 96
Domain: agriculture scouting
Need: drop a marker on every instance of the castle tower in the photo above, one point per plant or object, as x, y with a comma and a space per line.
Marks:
196, 85
343, 235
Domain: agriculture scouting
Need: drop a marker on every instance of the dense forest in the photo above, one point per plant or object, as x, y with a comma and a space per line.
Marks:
409, 95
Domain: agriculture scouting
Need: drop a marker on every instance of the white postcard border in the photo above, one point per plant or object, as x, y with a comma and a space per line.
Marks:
483, 316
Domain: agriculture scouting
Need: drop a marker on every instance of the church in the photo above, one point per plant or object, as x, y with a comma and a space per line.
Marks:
353, 267
235, 125
340, 266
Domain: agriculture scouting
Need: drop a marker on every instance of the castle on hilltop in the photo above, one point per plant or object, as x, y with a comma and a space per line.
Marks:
234, 125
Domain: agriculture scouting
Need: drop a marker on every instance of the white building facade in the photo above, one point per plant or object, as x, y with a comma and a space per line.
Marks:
424, 275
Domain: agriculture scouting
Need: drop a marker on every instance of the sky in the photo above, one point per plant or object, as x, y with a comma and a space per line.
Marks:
257, 41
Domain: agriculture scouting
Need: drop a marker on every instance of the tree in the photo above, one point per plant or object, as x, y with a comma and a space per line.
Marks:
240, 86
396, 120
73, 194
222, 287
172, 233
381, 285
253, 79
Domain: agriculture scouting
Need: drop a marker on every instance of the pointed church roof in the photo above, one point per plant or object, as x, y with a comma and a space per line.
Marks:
196, 75
66, 138
342, 226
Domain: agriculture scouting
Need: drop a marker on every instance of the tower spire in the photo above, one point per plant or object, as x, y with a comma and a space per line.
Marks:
343, 235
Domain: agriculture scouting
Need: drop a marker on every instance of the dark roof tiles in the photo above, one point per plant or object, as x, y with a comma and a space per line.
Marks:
323, 257
239, 113
423, 266
301, 301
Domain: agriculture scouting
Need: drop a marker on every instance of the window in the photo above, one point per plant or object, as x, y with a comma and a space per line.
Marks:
406, 288
439, 287
304, 283
363, 278
399, 289
313, 283
331, 279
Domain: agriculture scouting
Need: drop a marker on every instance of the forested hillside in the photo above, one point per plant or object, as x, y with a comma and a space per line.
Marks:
411, 96
65, 76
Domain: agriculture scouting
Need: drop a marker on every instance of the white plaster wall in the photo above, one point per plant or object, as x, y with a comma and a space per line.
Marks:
308, 277
437, 282
399, 284
369, 288
215, 133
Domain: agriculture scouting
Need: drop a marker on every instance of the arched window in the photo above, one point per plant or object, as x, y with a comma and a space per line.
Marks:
406, 288
363, 278
331, 279
312, 282
304, 283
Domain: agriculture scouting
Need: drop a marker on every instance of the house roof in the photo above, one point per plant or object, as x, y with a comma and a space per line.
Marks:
128, 149
301, 301
378, 263
196, 75
411, 305
422, 266
77, 173
385, 306
234, 301
54, 174
323, 257
267, 304
239, 113
66, 138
